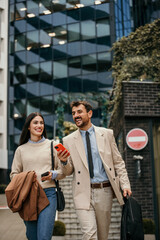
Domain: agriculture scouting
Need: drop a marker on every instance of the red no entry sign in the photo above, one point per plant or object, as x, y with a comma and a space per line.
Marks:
137, 139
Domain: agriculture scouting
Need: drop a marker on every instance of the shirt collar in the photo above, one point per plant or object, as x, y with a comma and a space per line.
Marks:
41, 140
90, 130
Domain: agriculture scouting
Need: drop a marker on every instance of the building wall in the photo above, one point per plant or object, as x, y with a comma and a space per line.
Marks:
140, 108
3, 87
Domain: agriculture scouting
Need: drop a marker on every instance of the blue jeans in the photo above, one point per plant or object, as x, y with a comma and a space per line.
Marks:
42, 228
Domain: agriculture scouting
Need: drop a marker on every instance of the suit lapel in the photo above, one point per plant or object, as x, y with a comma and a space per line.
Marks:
80, 148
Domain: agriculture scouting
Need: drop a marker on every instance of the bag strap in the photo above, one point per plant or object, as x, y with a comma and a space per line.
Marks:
52, 158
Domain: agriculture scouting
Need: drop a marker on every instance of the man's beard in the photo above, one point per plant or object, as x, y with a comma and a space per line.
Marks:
83, 124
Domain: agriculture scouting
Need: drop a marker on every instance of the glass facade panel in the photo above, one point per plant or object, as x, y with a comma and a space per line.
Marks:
60, 35
20, 91
45, 71
60, 69
11, 13
20, 74
20, 42
45, 21
59, 5
103, 28
33, 105
72, 4
73, 32
20, 108
104, 61
45, 7
32, 8
75, 84
89, 63
20, 11
74, 66
11, 44
46, 105
45, 39
32, 39
33, 72
88, 30
20, 26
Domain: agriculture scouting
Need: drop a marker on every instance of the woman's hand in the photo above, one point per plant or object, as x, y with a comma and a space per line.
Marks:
48, 177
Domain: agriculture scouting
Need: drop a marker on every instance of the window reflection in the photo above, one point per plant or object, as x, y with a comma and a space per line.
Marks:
75, 84
46, 105
89, 63
32, 23
20, 74
72, 4
60, 69
74, 66
45, 21
20, 42
32, 105
59, 35
88, 13
20, 58
11, 44
58, 5
104, 61
73, 16
33, 90
20, 26
87, 2
103, 28
45, 7
45, 39
33, 72
32, 8
11, 13
88, 30
32, 40
33, 56
20, 108
73, 32
45, 71
90, 83
20, 11
20, 91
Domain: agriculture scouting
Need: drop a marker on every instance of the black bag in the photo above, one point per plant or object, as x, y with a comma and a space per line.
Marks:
131, 221
60, 196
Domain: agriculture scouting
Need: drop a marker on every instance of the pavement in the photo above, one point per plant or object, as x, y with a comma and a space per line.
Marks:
11, 224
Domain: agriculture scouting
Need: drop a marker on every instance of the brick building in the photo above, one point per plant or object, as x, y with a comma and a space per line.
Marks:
140, 108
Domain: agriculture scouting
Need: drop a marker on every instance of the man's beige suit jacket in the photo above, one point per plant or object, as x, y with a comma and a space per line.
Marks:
112, 162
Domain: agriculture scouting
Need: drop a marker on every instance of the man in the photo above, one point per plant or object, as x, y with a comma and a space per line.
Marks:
98, 173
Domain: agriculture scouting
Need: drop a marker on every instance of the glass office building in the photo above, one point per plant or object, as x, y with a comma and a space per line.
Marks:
57, 48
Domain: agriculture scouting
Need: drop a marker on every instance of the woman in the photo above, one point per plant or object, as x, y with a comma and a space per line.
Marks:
34, 154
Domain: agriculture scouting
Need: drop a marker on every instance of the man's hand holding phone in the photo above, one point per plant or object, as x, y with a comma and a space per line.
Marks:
63, 153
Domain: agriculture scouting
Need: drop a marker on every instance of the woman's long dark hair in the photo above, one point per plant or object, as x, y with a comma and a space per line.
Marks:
25, 134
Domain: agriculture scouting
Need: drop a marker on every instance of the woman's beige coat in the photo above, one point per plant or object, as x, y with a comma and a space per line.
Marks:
112, 162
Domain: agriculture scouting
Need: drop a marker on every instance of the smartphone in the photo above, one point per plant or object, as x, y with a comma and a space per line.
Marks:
45, 174
59, 147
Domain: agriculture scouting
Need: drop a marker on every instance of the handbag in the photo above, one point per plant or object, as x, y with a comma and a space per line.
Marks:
59, 193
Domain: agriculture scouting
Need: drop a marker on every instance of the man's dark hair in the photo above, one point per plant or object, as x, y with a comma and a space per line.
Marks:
87, 105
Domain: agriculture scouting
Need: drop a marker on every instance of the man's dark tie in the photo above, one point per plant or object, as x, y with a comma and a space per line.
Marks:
90, 161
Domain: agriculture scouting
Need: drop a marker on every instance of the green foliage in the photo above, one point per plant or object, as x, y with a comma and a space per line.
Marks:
148, 226
136, 57
2, 188
59, 229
